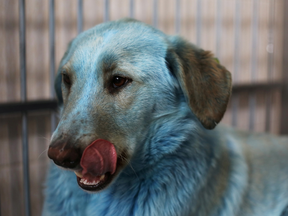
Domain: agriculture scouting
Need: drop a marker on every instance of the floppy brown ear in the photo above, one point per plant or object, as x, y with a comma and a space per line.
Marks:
205, 83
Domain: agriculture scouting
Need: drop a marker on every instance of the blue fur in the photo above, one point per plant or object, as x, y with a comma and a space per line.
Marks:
175, 160
64, 197
150, 184
166, 170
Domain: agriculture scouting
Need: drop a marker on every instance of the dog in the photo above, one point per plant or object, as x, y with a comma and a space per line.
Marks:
139, 135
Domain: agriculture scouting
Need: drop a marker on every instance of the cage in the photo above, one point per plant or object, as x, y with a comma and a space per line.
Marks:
249, 37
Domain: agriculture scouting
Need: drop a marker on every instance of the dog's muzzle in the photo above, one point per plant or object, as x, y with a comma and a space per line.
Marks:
64, 155
95, 167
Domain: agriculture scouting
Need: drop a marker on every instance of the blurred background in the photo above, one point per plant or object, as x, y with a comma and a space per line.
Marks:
249, 37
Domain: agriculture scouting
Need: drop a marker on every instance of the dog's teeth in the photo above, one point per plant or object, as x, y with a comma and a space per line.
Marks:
79, 174
102, 177
86, 182
91, 183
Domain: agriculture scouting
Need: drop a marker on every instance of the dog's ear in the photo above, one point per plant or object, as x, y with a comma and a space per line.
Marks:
205, 83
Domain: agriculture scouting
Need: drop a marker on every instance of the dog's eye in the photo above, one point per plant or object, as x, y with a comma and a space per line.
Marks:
119, 81
66, 79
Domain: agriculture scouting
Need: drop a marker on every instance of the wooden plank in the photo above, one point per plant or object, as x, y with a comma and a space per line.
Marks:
9, 42
37, 49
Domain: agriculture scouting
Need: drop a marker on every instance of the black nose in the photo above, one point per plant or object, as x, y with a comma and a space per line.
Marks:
64, 154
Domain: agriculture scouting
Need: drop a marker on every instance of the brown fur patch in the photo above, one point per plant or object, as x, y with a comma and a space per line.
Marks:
206, 83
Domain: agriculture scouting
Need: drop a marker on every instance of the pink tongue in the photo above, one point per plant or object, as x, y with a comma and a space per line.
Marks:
99, 158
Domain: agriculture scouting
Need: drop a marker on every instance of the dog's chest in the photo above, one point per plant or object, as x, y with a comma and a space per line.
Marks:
129, 197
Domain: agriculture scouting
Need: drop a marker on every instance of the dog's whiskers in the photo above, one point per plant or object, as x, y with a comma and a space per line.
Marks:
133, 170
45, 138
128, 163
42, 153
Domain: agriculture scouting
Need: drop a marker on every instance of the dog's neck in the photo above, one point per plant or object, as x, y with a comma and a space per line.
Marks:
193, 162
146, 182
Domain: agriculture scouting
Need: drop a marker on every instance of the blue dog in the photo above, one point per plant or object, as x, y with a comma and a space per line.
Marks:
137, 109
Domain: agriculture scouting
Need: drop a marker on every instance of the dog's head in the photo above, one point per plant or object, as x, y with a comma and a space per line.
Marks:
114, 81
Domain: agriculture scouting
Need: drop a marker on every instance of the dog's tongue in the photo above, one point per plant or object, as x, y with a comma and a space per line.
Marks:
99, 158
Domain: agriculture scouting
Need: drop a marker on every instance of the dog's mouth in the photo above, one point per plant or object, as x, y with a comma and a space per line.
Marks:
99, 163
93, 183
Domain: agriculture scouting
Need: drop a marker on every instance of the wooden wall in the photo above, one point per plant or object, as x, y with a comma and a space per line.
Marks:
230, 48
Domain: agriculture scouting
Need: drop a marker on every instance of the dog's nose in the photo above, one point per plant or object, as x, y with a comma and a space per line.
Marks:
64, 155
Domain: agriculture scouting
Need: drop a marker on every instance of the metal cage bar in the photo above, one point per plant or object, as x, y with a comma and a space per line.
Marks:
237, 28
25, 147
52, 58
22, 40
268, 111
131, 8
52, 46
284, 92
235, 104
252, 97
177, 16
218, 24
254, 40
155, 13
18, 107
106, 10
237, 32
26, 106
270, 46
198, 22
252, 106
80, 16
270, 62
